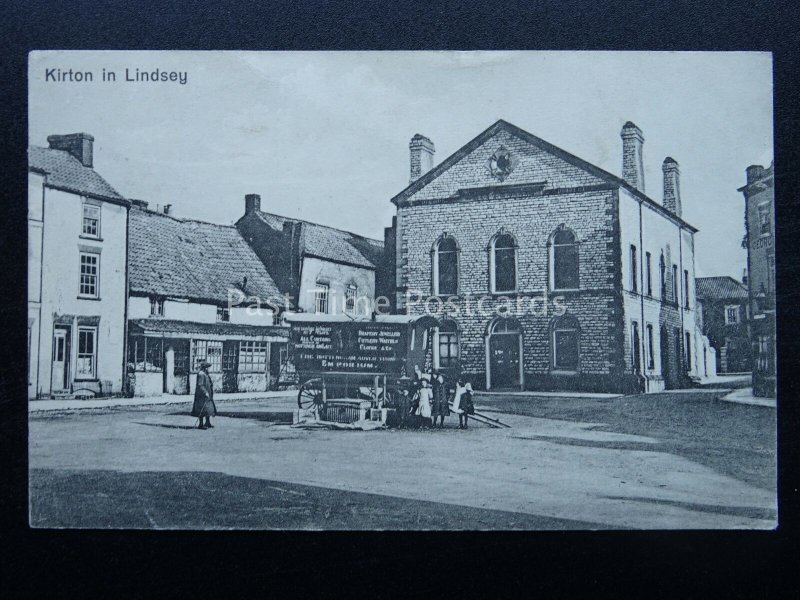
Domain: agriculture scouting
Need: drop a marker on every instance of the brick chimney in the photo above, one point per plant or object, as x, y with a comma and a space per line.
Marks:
754, 173
632, 160
422, 152
78, 144
252, 203
672, 186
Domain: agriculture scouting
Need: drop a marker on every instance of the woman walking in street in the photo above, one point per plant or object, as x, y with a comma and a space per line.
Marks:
441, 407
204, 407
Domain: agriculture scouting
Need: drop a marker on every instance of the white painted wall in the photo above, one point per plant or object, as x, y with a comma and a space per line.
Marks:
35, 228
60, 276
197, 312
338, 276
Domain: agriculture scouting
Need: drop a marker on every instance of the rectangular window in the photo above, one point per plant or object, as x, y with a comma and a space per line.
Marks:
650, 345
156, 307
147, 354
686, 288
636, 351
765, 219
663, 268
90, 274
634, 271
675, 298
565, 346
732, 314
252, 357
350, 299
321, 294
448, 349
207, 350
648, 274
87, 353
91, 220
223, 314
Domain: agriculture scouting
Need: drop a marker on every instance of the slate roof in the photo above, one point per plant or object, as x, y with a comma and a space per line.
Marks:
192, 259
501, 125
156, 325
717, 288
330, 243
66, 172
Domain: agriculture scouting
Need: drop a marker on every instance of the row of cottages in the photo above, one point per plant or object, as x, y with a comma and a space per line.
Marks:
546, 271
724, 314
123, 299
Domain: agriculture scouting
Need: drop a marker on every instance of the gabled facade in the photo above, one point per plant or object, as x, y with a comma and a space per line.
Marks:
548, 272
198, 292
321, 269
759, 195
77, 227
723, 312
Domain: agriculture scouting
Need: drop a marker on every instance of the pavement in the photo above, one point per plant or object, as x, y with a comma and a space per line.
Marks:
745, 396
74, 404
562, 470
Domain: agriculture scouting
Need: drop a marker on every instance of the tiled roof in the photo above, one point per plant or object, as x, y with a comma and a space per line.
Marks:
330, 243
192, 259
66, 172
712, 288
156, 325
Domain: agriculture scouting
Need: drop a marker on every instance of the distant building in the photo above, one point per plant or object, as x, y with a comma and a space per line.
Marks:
722, 304
510, 224
76, 272
198, 293
759, 195
321, 269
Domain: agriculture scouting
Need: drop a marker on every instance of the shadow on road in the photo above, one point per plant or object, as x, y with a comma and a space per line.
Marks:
750, 512
165, 426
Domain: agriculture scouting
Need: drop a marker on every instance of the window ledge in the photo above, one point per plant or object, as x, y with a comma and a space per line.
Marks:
564, 372
95, 298
90, 237
561, 290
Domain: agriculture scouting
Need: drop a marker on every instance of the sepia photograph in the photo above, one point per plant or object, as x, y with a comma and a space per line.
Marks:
401, 290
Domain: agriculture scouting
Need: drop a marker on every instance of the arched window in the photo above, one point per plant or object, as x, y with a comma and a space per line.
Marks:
447, 344
566, 344
445, 267
564, 260
503, 263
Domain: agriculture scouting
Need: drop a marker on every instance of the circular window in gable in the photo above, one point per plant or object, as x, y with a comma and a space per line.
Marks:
501, 163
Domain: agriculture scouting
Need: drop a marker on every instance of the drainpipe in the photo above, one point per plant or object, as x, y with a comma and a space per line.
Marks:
643, 330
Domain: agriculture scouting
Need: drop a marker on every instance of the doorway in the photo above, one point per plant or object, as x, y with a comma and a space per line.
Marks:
230, 366
59, 371
504, 355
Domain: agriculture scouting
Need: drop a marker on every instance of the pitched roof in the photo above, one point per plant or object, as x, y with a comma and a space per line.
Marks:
501, 125
712, 288
192, 259
66, 172
329, 243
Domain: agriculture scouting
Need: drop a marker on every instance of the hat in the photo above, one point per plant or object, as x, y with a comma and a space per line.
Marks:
468, 387
205, 364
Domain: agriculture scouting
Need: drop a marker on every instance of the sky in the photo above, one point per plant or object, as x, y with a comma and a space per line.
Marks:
323, 136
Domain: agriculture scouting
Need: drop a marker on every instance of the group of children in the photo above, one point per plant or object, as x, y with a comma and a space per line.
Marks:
427, 400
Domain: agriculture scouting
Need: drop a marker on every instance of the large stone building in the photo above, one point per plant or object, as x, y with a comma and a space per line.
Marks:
76, 272
546, 271
723, 311
759, 195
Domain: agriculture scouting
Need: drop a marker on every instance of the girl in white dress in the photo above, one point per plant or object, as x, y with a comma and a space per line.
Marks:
425, 397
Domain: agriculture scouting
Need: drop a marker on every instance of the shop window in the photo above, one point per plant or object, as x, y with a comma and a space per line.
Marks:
87, 353
207, 350
147, 354
252, 357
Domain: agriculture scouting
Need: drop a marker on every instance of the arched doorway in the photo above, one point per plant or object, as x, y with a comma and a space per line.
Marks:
504, 360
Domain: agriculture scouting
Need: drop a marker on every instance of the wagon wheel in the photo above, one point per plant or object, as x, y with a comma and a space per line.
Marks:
310, 394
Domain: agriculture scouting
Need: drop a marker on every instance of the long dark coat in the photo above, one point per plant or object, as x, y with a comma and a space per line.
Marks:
440, 405
204, 397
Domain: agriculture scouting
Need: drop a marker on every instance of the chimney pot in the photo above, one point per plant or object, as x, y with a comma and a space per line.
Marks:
79, 145
422, 151
672, 187
252, 203
632, 156
167, 209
